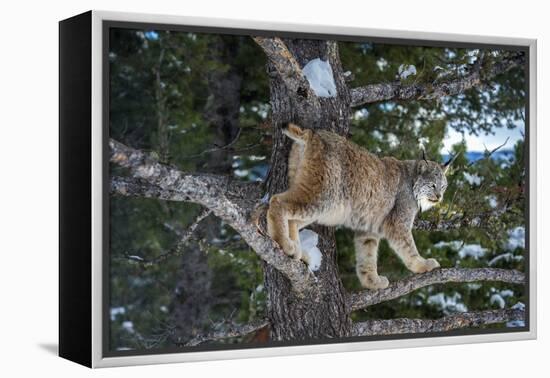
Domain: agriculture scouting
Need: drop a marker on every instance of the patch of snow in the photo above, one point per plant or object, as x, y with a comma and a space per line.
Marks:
519, 306
515, 324
241, 172
382, 64
392, 140
472, 56
128, 326
423, 142
319, 75
506, 293
256, 158
117, 311
506, 257
312, 254
516, 238
474, 251
448, 304
498, 300
472, 179
360, 114
492, 201
474, 286
164, 309
455, 244
134, 257
377, 134
259, 288
406, 70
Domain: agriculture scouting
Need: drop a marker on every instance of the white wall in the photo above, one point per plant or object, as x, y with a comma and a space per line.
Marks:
28, 148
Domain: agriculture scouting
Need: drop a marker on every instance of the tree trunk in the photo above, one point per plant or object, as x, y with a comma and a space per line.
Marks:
322, 313
224, 102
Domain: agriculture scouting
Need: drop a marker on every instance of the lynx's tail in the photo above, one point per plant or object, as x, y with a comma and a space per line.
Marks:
296, 133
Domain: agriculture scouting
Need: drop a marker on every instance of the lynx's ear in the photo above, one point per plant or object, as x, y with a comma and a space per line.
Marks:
449, 162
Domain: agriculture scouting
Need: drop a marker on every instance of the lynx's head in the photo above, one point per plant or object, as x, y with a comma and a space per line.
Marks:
430, 183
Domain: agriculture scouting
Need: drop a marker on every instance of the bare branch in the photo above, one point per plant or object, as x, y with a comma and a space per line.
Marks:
218, 148
134, 187
430, 91
234, 330
397, 289
286, 65
177, 250
229, 200
447, 323
458, 221
488, 153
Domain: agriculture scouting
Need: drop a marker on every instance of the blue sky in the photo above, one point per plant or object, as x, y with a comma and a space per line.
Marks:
476, 143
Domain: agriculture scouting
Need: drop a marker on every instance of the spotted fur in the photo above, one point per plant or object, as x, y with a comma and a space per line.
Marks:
333, 181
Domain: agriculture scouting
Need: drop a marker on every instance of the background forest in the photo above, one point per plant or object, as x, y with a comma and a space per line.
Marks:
201, 102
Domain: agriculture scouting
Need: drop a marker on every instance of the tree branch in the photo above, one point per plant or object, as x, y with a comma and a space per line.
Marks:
134, 187
457, 221
229, 200
234, 330
286, 66
429, 91
447, 323
176, 250
397, 289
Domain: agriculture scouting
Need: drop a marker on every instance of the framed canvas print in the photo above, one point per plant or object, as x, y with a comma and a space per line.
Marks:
236, 189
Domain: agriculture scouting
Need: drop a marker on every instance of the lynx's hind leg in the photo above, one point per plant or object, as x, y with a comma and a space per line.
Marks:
366, 256
284, 222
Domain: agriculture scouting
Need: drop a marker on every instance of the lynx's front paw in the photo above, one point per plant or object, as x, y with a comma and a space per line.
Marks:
373, 282
424, 265
293, 250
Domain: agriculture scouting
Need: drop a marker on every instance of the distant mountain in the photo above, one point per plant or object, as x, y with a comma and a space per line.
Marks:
476, 155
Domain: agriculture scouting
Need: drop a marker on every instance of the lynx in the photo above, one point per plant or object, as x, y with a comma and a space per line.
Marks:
334, 182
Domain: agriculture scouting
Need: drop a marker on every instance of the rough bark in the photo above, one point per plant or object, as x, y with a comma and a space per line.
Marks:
430, 91
447, 323
192, 301
224, 101
397, 289
322, 313
233, 330
228, 199
303, 305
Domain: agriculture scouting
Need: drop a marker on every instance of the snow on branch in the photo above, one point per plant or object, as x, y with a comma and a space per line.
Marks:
397, 289
286, 66
234, 330
319, 74
429, 91
447, 323
229, 200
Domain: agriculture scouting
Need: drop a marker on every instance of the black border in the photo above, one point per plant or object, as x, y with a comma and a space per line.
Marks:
108, 24
75, 189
